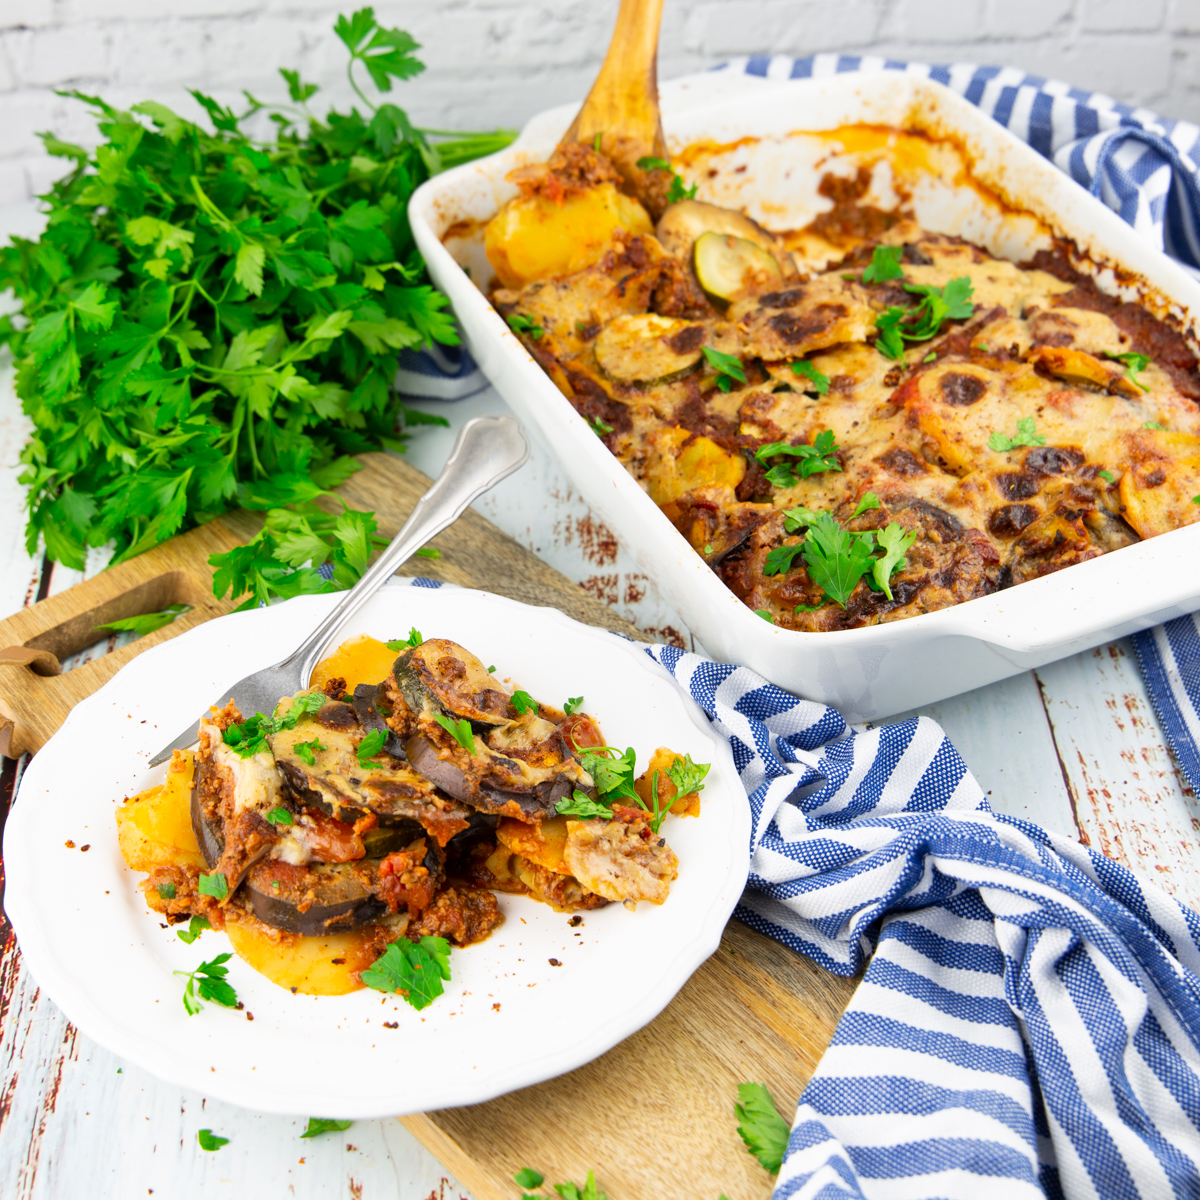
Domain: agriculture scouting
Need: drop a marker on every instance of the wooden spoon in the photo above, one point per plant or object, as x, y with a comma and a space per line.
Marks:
622, 107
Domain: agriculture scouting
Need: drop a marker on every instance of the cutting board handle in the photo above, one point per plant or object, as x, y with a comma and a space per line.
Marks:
35, 695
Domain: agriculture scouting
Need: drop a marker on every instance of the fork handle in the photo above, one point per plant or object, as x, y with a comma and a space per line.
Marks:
488, 450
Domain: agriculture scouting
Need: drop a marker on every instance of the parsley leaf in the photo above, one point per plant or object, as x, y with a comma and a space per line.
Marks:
429, 552
599, 428
819, 457
728, 367
760, 1126
1133, 363
214, 885
280, 815
819, 381
527, 325
589, 1191
459, 730
207, 982
196, 926
688, 776
370, 746
582, 805
1155, 425
884, 265
306, 752
166, 891
782, 558
524, 703
677, 191
527, 1177
320, 1125
1107, 476
1025, 436
250, 737
899, 325
836, 558
210, 1141
868, 502
411, 642
612, 771
572, 705
414, 971
766, 616
147, 622
894, 542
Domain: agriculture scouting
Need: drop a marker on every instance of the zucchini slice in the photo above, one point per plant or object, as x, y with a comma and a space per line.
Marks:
727, 266
644, 348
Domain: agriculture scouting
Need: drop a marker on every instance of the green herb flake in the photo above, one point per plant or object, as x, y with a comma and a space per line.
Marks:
930, 357
806, 460
884, 265
306, 752
459, 730
320, 1125
598, 427
866, 504
214, 885
1155, 425
897, 325
208, 982
526, 325
280, 815
429, 552
413, 971
371, 745
708, 547
1025, 436
581, 805
210, 1141
612, 771
728, 367
1134, 364
688, 776
760, 1126
678, 190
166, 891
766, 616
250, 737
411, 642
524, 703
572, 705
806, 370
196, 926
527, 1177
1107, 476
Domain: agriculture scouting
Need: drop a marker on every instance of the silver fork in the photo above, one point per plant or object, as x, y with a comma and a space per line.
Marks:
488, 450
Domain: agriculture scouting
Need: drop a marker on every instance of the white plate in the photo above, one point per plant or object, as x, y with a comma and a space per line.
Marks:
92, 944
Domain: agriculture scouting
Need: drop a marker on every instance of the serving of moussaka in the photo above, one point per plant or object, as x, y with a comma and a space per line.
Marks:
916, 424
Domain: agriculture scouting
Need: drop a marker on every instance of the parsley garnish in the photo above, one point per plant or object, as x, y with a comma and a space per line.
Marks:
320, 1125
429, 552
220, 321
1196, 499
728, 367
250, 737
414, 971
582, 805
520, 324
210, 1141
523, 702
820, 456
196, 926
930, 357
837, 558
306, 752
688, 776
677, 191
612, 771
760, 1126
207, 982
868, 502
766, 616
899, 325
1133, 363
214, 885
598, 427
280, 815
1155, 425
805, 369
1107, 476
411, 642
459, 730
1025, 436
527, 1177
884, 265
371, 745
166, 891
573, 705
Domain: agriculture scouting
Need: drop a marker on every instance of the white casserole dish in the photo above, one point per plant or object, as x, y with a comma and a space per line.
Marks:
883, 669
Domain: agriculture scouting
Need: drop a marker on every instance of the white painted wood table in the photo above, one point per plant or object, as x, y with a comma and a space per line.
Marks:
1074, 746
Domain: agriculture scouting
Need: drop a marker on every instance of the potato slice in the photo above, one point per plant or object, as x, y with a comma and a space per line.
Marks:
1083, 369
361, 659
671, 472
534, 238
726, 266
154, 828
1163, 476
645, 348
316, 966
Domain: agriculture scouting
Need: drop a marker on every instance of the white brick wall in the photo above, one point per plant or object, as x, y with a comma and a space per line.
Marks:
496, 62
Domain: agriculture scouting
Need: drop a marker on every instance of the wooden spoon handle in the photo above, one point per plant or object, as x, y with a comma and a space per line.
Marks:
622, 107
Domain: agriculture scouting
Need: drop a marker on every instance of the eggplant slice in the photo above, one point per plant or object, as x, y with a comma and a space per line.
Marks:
315, 900
338, 784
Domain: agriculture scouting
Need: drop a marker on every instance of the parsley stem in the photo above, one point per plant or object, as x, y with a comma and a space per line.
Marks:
354, 57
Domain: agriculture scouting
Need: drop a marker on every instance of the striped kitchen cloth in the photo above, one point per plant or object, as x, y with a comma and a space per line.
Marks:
1143, 166
1029, 1020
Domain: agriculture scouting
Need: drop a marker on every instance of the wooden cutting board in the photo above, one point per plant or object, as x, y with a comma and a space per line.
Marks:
653, 1116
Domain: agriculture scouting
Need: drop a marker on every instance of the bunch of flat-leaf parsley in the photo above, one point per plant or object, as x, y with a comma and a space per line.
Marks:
211, 321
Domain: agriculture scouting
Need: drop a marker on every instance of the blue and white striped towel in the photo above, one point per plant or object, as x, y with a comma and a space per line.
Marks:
1029, 1022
